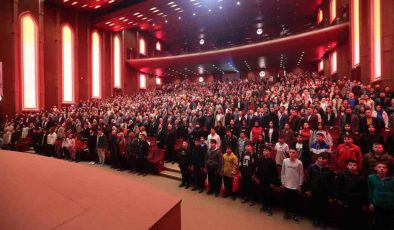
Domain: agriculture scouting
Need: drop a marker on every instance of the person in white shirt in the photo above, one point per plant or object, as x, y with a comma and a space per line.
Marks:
215, 136
51, 139
292, 177
281, 149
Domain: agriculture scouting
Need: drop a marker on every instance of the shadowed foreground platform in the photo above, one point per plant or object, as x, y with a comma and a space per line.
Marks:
45, 193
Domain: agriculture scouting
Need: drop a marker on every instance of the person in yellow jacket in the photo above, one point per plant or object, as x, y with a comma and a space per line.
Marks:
230, 169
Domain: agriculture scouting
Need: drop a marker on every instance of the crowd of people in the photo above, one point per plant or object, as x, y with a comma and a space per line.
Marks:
302, 134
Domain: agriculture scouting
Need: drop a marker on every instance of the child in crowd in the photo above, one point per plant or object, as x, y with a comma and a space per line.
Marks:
292, 177
267, 178
381, 197
351, 193
319, 186
230, 167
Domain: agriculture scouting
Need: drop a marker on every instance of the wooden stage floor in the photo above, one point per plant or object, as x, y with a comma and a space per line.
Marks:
38, 192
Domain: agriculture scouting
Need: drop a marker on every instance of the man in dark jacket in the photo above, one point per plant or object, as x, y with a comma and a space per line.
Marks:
351, 193
142, 155
170, 144
349, 118
318, 186
112, 147
247, 166
184, 160
267, 177
198, 161
230, 141
303, 150
366, 121
213, 161
132, 151
92, 142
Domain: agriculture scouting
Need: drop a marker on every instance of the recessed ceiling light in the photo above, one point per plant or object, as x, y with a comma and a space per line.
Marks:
194, 14
140, 16
160, 13
209, 10
136, 13
179, 17
166, 21
196, 3
74, 3
220, 7
153, 8
155, 11
238, 3
170, 3
98, 6
173, 5
111, 1
178, 8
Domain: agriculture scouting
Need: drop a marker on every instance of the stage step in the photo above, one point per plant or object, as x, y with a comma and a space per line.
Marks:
171, 174
172, 167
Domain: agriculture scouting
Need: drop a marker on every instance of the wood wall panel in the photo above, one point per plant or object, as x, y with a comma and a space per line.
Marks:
129, 45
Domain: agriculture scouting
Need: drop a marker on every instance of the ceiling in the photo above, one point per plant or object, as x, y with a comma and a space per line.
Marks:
221, 23
291, 51
224, 25
88, 5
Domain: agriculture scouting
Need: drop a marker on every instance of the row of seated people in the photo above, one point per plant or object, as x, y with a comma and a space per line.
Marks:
294, 108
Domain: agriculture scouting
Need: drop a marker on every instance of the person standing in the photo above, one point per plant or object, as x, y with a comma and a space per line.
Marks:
318, 186
267, 177
292, 177
113, 149
101, 144
247, 167
199, 153
184, 160
381, 197
213, 167
170, 144
143, 148
351, 194
132, 151
92, 142
378, 154
230, 166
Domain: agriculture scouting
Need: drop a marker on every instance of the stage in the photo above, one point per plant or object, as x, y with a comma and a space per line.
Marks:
38, 192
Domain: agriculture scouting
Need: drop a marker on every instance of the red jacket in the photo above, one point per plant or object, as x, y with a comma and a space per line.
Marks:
256, 131
345, 153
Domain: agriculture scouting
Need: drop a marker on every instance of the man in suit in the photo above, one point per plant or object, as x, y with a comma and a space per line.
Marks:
311, 119
369, 120
294, 120
283, 117
349, 118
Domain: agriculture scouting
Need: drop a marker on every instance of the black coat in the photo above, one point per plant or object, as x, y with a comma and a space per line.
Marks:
143, 148
198, 156
92, 141
351, 189
267, 171
274, 137
184, 158
320, 179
